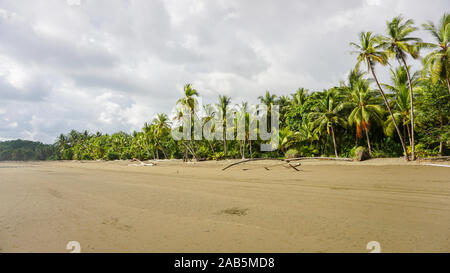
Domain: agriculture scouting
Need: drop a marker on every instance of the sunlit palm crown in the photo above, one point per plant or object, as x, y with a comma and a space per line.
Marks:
437, 62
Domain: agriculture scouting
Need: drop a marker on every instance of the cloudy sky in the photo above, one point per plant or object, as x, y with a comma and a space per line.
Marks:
111, 65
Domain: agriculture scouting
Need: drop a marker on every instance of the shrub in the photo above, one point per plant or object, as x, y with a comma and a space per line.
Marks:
111, 155
421, 151
307, 151
357, 150
291, 153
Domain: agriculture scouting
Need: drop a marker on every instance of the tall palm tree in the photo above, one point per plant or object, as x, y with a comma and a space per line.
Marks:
189, 102
244, 117
268, 100
369, 51
398, 43
437, 62
366, 109
208, 115
401, 101
223, 105
327, 115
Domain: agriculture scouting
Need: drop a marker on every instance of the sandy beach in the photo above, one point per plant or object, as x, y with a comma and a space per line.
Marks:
264, 206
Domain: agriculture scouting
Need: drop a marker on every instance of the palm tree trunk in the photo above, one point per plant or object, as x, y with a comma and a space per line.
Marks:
409, 133
334, 142
224, 133
390, 111
163, 150
404, 128
368, 141
212, 149
411, 101
441, 143
243, 149
448, 85
250, 148
194, 155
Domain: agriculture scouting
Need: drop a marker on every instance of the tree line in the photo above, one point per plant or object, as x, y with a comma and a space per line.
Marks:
408, 116
21, 150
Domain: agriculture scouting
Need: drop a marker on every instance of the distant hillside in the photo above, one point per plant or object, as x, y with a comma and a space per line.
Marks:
21, 150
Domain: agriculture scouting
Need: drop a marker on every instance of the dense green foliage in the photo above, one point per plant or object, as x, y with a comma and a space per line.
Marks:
359, 112
20, 150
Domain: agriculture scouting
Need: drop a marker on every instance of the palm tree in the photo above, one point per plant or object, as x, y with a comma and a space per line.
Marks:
398, 44
299, 97
366, 109
209, 114
189, 102
61, 144
244, 117
268, 100
284, 103
327, 115
354, 77
223, 105
401, 101
161, 123
437, 62
286, 139
369, 51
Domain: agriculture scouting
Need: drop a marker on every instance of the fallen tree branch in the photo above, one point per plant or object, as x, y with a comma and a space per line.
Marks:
248, 160
294, 167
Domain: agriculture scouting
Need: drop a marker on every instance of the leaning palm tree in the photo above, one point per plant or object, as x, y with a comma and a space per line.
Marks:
399, 44
369, 51
327, 115
366, 109
437, 62
223, 105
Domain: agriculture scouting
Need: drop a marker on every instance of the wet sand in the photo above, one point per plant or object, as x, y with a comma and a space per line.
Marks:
195, 207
